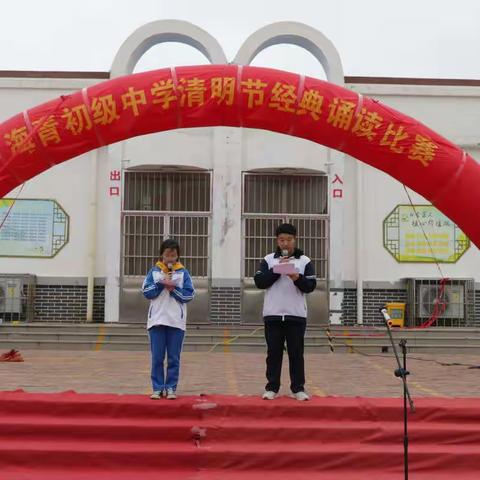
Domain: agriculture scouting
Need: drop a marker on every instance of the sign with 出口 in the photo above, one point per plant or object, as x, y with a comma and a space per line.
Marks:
423, 234
32, 228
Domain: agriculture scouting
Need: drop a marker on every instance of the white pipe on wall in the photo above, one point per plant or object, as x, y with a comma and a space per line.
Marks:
92, 234
359, 241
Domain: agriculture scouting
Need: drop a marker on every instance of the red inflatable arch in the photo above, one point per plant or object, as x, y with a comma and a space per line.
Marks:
232, 95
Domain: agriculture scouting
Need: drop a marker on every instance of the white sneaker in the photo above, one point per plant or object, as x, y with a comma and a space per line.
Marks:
269, 395
171, 395
301, 396
157, 395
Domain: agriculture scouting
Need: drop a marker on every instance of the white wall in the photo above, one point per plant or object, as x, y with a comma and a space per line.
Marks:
381, 195
67, 183
264, 149
452, 111
189, 147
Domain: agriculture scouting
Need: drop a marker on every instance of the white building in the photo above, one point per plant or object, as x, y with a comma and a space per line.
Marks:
221, 192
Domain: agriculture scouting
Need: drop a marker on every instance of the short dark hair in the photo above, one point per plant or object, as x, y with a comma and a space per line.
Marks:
170, 243
287, 228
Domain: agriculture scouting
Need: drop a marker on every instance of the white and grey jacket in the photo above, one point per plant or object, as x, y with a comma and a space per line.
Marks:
284, 298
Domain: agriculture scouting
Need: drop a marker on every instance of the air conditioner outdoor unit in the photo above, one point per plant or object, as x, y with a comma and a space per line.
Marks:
455, 298
452, 299
11, 294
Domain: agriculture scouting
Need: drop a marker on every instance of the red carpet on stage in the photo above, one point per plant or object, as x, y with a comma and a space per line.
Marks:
73, 436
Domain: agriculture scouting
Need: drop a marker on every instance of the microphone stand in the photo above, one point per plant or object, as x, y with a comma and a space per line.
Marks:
401, 372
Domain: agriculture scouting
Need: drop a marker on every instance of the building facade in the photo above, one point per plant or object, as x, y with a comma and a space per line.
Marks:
222, 191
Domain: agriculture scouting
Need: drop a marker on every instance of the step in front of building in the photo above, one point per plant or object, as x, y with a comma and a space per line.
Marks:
247, 338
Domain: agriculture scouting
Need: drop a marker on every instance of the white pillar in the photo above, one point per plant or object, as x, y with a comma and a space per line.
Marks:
92, 233
227, 207
336, 241
359, 241
112, 231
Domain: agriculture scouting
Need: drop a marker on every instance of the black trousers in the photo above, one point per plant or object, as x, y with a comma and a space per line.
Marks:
277, 332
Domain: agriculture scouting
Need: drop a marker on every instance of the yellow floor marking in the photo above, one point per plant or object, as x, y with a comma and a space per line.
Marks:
100, 338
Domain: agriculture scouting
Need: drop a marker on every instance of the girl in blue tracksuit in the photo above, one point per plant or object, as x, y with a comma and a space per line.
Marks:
167, 317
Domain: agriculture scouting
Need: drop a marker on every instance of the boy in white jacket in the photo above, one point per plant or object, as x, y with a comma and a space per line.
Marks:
169, 288
285, 310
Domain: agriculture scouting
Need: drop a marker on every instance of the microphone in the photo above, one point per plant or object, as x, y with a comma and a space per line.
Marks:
386, 316
285, 253
170, 271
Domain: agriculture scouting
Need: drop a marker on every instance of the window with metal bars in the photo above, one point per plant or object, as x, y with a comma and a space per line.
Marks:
273, 199
160, 205
285, 194
167, 191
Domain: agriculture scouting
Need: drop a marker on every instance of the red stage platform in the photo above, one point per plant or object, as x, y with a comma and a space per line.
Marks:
73, 436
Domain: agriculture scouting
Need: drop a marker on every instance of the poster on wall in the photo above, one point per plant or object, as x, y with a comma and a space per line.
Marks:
32, 228
423, 234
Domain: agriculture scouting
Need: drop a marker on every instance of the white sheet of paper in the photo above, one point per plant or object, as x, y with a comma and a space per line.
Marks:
177, 279
285, 268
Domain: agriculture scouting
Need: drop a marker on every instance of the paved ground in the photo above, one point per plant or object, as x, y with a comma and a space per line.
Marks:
239, 373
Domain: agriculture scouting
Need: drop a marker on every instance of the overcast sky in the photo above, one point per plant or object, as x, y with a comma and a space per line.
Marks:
405, 38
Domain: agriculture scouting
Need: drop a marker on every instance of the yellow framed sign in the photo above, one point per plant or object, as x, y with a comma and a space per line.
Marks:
423, 234
32, 228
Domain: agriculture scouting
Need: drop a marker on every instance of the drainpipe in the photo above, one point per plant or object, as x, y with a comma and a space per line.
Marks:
359, 241
92, 234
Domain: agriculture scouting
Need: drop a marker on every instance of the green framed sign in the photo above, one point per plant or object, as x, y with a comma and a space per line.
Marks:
405, 228
32, 228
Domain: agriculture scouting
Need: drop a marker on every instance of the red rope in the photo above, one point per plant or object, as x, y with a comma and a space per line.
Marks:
439, 305
11, 206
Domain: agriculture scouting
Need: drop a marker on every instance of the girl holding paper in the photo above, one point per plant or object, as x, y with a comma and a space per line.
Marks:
169, 288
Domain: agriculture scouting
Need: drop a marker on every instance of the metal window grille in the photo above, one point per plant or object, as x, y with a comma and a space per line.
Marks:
167, 191
273, 199
286, 194
161, 205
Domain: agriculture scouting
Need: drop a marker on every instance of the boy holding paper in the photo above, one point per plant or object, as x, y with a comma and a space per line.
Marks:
169, 288
286, 275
